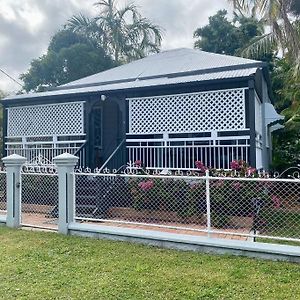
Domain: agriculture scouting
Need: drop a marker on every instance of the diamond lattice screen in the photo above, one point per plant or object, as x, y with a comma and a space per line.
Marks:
193, 112
54, 119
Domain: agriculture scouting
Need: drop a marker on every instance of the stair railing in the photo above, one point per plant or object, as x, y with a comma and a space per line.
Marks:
81, 153
112, 155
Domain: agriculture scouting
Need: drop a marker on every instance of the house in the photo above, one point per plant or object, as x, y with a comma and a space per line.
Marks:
167, 110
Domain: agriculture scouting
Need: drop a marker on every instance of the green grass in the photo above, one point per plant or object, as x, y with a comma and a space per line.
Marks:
36, 265
281, 224
280, 242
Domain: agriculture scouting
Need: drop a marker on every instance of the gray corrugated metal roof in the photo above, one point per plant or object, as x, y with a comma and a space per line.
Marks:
174, 62
142, 83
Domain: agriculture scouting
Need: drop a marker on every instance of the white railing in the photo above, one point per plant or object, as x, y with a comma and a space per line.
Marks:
174, 154
45, 147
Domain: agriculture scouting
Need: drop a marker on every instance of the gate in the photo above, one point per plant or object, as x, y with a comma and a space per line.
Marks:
39, 207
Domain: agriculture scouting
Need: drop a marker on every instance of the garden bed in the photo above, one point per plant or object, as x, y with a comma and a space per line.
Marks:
155, 216
147, 215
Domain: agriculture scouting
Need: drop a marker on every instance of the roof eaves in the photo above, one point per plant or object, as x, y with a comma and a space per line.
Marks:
83, 91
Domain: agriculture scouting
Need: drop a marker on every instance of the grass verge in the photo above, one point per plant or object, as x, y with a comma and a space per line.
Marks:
38, 265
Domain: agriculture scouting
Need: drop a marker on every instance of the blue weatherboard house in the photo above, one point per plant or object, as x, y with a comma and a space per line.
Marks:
167, 110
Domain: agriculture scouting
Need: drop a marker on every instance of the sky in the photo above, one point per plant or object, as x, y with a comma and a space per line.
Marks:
26, 26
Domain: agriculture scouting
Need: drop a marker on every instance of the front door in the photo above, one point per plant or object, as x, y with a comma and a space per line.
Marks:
106, 133
97, 135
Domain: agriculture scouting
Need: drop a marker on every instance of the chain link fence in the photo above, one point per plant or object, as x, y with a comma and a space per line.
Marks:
239, 208
229, 207
269, 207
3, 202
39, 205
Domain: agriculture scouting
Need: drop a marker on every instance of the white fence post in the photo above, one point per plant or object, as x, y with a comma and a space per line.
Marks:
208, 213
66, 190
13, 164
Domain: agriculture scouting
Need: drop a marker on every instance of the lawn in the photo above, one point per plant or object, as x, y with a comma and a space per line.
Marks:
39, 265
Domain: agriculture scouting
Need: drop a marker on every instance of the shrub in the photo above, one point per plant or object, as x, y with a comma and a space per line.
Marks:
188, 197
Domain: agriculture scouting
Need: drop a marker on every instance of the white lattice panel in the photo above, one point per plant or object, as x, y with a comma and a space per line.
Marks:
193, 112
53, 119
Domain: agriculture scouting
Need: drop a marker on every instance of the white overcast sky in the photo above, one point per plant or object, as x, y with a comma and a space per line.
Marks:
26, 26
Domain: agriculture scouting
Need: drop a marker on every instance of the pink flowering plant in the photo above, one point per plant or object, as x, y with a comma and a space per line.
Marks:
138, 163
146, 185
200, 166
158, 193
187, 197
238, 168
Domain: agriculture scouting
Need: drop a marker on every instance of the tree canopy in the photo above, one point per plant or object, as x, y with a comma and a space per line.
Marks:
283, 17
124, 32
69, 57
88, 46
227, 37
287, 101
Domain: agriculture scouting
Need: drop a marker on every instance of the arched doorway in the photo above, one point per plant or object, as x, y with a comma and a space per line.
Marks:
105, 131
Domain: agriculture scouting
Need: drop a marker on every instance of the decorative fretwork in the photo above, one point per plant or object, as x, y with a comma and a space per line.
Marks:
193, 112
40, 120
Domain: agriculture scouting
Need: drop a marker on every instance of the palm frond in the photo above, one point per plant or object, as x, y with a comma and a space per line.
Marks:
130, 8
79, 22
124, 33
259, 45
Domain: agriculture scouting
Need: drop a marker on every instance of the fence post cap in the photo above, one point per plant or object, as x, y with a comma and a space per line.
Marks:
14, 159
66, 159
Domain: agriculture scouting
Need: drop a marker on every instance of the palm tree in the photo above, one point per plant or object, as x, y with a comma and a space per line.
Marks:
284, 33
123, 32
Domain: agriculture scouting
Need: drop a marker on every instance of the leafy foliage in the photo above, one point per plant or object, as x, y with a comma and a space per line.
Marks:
69, 57
282, 17
187, 198
122, 31
88, 46
287, 97
227, 37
